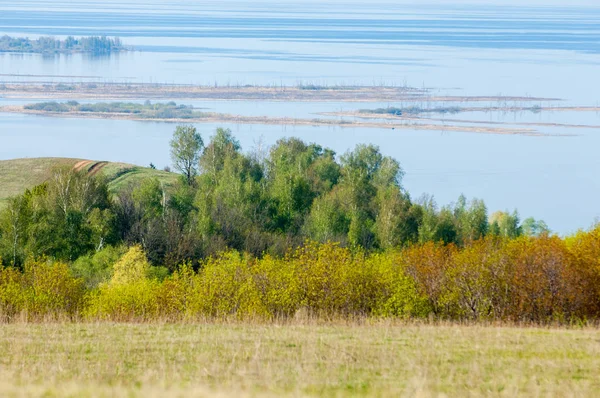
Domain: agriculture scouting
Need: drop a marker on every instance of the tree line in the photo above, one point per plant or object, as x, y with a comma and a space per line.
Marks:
260, 202
92, 44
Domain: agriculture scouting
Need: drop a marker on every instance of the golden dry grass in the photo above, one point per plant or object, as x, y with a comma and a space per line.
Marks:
299, 359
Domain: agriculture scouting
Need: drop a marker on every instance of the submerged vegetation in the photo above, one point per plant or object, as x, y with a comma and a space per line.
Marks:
270, 233
411, 110
417, 110
146, 110
50, 45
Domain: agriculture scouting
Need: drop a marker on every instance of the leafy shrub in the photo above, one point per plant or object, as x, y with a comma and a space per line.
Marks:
130, 294
97, 267
526, 279
399, 296
43, 289
225, 287
52, 106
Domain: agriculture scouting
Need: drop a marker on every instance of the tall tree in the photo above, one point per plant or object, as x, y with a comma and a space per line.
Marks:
186, 147
505, 224
533, 227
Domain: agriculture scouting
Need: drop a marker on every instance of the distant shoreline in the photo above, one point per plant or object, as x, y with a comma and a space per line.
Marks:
48, 45
137, 91
266, 120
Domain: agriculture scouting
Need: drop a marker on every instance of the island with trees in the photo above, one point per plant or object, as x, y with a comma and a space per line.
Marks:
51, 45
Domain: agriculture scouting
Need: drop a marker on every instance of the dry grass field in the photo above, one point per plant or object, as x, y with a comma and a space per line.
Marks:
299, 359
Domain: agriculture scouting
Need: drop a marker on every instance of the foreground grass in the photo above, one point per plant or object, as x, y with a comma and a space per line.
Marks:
382, 359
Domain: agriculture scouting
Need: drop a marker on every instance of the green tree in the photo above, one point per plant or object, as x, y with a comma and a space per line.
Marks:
505, 224
471, 220
533, 227
231, 209
293, 181
327, 220
186, 147
436, 226
221, 146
15, 221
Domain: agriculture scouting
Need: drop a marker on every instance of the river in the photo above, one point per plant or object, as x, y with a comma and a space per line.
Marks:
460, 49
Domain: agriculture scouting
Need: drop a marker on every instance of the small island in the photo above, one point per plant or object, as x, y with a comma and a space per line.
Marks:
50, 45
147, 110
172, 112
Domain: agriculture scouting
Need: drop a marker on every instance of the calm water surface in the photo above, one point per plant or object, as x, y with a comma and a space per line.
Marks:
455, 50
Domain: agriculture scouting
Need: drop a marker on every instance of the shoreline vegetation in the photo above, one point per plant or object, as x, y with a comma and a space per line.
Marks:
394, 118
173, 113
49, 45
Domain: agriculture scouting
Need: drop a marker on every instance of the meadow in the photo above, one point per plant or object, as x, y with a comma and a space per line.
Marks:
297, 358
18, 175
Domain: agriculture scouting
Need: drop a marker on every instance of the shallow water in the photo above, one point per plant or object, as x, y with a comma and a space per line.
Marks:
478, 49
455, 50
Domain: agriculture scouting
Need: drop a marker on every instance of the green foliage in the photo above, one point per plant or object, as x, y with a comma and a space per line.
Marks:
43, 290
533, 227
505, 224
65, 218
541, 279
239, 224
48, 45
131, 293
97, 267
186, 147
411, 110
51, 106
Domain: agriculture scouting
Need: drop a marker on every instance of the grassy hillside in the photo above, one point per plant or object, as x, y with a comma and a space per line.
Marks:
20, 174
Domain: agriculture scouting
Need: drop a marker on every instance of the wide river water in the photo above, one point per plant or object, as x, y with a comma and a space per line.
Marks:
454, 50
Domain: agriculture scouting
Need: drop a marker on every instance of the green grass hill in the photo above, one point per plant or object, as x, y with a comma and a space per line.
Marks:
20, 174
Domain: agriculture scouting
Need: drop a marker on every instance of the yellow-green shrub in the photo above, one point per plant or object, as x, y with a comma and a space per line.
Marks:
324, 273
585, 249
12, 297
524, 279
133, 266
135, 301
224, 286
277, 285
175, 292
129, 295
43, 289
398, 295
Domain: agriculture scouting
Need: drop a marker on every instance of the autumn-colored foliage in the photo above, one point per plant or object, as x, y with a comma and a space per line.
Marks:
525, 279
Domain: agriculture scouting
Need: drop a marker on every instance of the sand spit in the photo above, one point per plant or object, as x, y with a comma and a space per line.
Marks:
238, 119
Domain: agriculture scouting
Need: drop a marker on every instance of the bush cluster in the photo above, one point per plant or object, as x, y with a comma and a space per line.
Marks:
525, 279
169, 110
